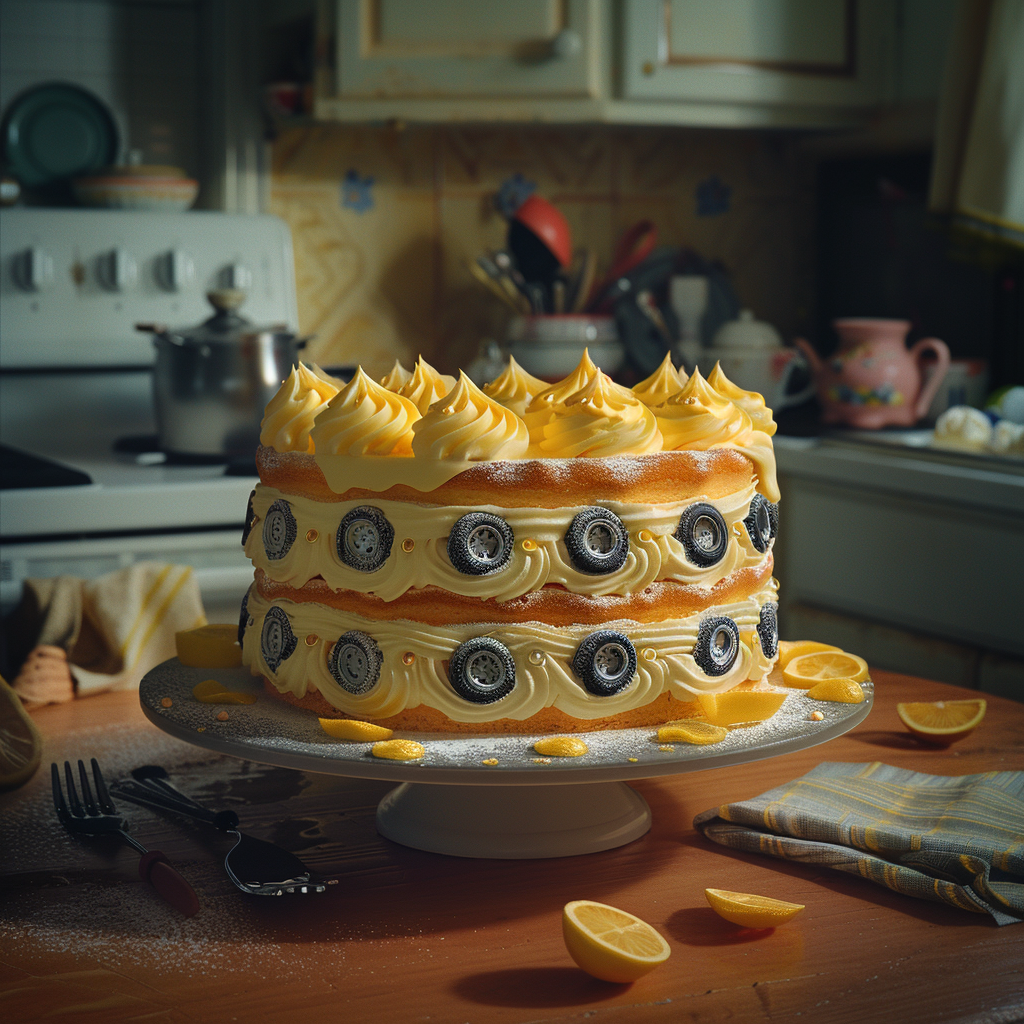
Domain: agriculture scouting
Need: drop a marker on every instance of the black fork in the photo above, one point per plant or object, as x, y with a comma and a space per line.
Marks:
97, 816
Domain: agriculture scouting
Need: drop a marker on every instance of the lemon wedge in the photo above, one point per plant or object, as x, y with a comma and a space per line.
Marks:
942, 721
790, 649
750, 911
840, 691
211, 646
807, 669
609, 943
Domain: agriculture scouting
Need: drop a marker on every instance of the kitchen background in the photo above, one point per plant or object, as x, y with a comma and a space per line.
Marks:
362, 126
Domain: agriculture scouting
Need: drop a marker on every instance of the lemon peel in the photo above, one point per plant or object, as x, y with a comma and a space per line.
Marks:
398, 750
840, 691
698, 732
749, 910
353, 729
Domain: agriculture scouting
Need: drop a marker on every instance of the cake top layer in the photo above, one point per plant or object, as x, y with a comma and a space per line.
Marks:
421, 428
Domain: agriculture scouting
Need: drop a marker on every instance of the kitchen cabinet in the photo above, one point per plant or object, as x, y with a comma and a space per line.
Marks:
734, 63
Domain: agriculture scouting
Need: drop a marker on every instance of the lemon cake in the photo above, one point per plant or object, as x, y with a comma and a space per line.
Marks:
434, 556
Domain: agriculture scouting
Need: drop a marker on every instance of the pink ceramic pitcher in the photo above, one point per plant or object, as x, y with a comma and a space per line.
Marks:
873, 380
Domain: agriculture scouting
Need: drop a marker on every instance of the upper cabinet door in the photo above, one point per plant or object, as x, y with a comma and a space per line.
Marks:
438, 49
817, 53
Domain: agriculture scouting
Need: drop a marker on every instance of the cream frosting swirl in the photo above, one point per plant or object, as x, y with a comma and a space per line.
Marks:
288, 417
396, 378
699, 417
363, 419
602, 418
541, 409
468, 426
750, 402
515, 388
425, 386
665, 382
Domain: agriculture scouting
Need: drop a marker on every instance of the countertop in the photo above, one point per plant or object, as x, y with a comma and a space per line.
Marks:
412, 936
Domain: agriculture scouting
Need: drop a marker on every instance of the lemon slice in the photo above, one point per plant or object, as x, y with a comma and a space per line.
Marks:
790, 649
942, 721
738, 706
211, 646
807, 669
609, 943
841, 691
749, 911
352, 729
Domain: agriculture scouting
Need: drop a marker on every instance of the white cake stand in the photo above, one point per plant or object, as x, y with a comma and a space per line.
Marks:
451, 801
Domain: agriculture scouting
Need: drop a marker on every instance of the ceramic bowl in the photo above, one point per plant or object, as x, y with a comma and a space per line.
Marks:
137, 192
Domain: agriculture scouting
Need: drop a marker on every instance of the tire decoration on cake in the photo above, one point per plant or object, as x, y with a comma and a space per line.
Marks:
518, 558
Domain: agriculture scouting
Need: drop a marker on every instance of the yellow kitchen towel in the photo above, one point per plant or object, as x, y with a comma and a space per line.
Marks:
114, 628
954, 839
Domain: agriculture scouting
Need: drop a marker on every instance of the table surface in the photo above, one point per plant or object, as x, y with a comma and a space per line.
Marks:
413, 936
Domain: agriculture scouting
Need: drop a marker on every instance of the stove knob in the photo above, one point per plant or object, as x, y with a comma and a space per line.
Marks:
175, 270
236, 275
117, 270
33, 269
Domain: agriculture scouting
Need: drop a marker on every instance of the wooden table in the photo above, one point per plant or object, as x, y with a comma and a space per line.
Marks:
411, 936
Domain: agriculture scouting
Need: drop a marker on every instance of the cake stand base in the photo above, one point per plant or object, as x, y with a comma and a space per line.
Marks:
513, 822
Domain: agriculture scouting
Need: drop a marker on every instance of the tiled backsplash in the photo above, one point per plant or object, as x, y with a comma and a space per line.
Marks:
141, 59
384, 221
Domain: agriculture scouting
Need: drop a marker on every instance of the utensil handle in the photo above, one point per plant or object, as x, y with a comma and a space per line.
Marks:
155, 868
160, 793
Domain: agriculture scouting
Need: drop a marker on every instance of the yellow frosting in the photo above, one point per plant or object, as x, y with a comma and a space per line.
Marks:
397, 378
699, 417
425, 386
599, 419
542, 409
665, 382
515, 388
749, 401
467, 426
289, 415
365, 419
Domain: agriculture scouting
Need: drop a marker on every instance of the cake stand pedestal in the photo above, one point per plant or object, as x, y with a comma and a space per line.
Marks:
513, 822
482, 795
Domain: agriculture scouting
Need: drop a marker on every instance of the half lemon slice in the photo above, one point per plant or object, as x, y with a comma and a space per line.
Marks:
750, 911
942, 721
807, 669
610, 944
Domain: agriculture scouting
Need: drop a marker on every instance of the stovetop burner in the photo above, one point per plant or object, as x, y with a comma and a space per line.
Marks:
146, 450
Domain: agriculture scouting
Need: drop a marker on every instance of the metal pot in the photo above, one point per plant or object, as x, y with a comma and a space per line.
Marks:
212, 382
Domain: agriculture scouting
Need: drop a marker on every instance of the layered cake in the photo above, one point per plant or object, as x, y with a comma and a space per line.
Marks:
433, 556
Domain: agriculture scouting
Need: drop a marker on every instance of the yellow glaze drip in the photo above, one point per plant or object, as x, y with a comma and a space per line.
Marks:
353, 729
561, 746
665, 382
749, 401
398, 750
599, 419
365, 419
467, 426
209, 691
289, 415
425, 386
515, 388
397, 378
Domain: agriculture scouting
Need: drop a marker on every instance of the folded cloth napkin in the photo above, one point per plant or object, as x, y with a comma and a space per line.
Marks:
957, 840
114, 628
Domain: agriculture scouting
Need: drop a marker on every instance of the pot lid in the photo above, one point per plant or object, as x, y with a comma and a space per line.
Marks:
226, 326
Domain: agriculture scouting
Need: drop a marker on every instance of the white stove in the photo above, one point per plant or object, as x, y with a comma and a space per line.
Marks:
75, 389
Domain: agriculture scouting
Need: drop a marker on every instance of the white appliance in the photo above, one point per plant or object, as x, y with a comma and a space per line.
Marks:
75, 389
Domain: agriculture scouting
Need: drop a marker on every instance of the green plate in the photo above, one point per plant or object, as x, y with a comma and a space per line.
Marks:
57, 131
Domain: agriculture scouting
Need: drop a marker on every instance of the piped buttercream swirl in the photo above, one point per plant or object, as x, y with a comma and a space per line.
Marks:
468, 426
396, 378
541, 410
599, 419
698, 417
425, 386
515, 388
665, 382
288, 417
364, 418
750, 402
